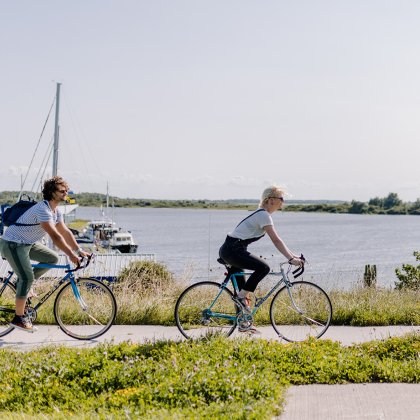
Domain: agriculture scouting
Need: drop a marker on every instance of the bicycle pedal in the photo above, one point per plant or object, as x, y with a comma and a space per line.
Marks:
249, 330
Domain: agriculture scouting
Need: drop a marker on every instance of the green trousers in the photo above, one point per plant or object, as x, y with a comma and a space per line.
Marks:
19, 257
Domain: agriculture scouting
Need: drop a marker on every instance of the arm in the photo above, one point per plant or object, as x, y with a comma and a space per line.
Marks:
281, 246
59, 241
69, 239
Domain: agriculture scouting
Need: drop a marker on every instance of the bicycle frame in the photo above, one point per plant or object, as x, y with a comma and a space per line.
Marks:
68, 277
259, 301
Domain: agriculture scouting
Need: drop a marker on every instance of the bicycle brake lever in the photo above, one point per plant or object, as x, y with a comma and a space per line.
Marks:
73, 269
79, 264
299, 271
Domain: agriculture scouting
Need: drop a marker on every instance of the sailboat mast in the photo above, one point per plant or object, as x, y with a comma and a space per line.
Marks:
56, 131
107, 197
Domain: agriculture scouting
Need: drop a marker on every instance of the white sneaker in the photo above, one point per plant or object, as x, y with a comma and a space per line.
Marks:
247, 327
244, 301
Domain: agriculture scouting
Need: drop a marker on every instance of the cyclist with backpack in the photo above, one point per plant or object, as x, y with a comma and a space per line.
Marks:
20, 244
235, 252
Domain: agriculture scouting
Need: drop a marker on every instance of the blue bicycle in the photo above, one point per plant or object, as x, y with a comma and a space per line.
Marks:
84, 308
299, 309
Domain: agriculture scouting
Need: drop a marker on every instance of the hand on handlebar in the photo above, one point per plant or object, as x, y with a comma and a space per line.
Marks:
298, 261
81, 262
85, 254
74, 259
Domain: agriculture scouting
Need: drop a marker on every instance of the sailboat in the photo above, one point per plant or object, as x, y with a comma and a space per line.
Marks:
70, 206
103, 233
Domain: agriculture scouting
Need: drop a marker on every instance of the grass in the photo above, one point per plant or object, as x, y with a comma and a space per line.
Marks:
77, 224
147, 293
147, 298
210, 378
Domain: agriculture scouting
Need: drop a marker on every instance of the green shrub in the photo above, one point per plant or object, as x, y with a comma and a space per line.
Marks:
210, 378
409, 276
146, 293
146, 275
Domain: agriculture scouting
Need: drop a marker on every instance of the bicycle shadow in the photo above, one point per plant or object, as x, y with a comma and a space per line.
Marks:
33, 345
45, 336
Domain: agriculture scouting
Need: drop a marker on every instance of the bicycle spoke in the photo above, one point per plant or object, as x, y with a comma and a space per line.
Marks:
7, 307
94, 319
204, 309
308, 314
89, 315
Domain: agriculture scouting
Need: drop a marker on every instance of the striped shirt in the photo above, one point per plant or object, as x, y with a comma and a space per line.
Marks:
40, 212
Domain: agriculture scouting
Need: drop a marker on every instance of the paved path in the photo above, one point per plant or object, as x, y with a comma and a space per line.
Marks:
52, 335
353, 402
311, 402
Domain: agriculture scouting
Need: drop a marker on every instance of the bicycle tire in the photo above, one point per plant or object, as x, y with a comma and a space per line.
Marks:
89, 323
316, 314
193, 315
7, 307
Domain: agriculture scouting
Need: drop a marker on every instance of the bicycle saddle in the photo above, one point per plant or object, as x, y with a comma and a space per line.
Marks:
223, 262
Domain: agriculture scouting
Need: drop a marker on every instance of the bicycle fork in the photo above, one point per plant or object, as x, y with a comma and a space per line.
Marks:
78, 295
300, 310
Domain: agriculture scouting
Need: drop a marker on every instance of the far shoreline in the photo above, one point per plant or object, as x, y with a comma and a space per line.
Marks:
390, 205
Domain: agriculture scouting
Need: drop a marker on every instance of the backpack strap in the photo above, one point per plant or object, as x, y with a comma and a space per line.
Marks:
250, 216
25, 224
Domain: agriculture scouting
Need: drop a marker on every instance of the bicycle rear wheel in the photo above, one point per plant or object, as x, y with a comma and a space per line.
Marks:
7, 307
204, 309
309, 315
88, 317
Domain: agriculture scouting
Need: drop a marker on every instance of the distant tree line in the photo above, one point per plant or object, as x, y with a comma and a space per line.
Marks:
390, 204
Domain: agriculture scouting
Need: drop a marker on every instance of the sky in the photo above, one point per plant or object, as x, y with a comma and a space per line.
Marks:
200, 99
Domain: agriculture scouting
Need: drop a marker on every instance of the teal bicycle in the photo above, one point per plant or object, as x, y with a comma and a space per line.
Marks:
299, 310
84, 308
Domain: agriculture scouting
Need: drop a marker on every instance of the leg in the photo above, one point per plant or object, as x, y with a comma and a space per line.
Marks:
18, 257
261, 269
243, 258
240, 279
42, 254
228, 253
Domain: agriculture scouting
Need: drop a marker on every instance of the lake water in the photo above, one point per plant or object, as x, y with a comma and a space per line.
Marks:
337, 246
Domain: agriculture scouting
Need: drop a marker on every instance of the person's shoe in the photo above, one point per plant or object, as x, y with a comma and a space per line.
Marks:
244, 302
249, 328
22, 323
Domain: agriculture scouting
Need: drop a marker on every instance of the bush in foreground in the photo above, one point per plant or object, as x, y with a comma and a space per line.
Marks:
215, 378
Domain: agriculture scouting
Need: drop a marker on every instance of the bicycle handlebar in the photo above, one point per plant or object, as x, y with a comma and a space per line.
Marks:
80, 265
298, 271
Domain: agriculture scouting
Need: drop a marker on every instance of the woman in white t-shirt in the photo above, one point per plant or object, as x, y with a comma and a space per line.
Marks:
234, 250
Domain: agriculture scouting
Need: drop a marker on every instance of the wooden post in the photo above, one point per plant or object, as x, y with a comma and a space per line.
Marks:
369, 278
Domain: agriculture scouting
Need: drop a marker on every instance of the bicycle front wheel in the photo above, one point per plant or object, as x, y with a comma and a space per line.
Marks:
305, 312
88, 315
7, 307
205, 309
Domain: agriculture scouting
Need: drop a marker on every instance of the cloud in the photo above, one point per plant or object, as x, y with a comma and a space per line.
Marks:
242, 181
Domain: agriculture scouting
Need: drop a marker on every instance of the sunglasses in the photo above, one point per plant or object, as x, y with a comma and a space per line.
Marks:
279, 198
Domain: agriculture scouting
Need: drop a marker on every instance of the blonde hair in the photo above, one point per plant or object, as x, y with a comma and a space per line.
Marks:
271, 191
